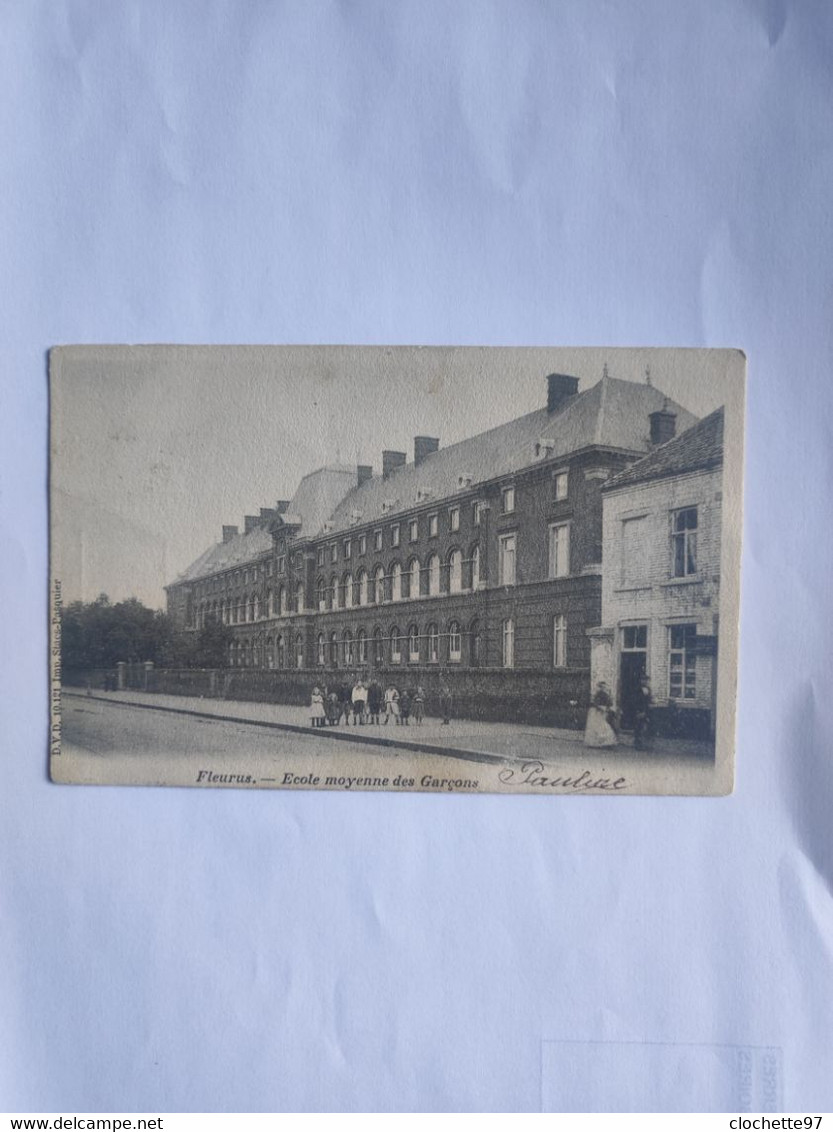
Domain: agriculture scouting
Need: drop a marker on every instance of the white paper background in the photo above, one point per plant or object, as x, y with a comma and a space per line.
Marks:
496, 173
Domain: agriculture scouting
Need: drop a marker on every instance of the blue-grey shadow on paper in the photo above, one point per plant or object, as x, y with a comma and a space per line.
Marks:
659, 1077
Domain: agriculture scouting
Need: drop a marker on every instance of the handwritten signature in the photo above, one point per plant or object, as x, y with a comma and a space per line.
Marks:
531, 774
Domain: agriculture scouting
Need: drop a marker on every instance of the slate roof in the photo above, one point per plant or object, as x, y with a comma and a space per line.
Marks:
613, 413
318, 493
698, 448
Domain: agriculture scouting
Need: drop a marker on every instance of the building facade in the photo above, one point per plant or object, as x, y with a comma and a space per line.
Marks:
661, 580
485, 555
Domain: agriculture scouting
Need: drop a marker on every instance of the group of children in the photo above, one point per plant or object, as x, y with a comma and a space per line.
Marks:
365, 703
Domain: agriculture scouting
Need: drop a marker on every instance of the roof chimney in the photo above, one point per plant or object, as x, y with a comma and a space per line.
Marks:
267, 513
249, 523
663, 426
391, 461
560, 386
229, 533
424, 446
282, 506
365, 473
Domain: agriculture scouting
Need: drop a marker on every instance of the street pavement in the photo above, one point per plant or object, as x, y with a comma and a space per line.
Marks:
147, 733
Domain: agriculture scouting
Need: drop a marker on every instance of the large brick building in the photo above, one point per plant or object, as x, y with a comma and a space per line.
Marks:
486, 554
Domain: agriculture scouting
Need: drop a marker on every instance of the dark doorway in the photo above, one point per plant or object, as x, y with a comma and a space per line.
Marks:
633, 666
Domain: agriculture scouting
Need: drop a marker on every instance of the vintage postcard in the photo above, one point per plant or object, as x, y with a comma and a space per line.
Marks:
409, 568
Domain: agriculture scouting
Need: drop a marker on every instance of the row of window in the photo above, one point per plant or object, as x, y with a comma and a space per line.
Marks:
330, 552
435, 577
453, 645
559, 555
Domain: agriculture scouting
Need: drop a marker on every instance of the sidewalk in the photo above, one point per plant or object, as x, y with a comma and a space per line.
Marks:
464, 738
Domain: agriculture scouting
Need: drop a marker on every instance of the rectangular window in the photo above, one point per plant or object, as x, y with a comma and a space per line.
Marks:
414, 530
321, 556
394, 535
635, 638
559, 559
269, 568
377, 540
509, 643
454, 519
475, 514
684, 542
682, 665
559, 481
395, 647
634, 551
348, 548
508, 500
362, 544
433, 526
506, 563
334, 553
559, 641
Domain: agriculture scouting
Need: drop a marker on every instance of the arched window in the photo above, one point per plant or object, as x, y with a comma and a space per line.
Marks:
361, 587
251, 615
455, 571
270, 603
333, 650
395, 646
270, 652
475, 567
346, 591
455, 642
281, 651
396, 582
233, 652
299, 597
413, 644
413, 578
347, 647
256, 604
321, 595
434, 574
299, 651
282, 601
322, 650
433, 643
361, 642
378, 648
379, 585
256, 653
474, 644
333, 595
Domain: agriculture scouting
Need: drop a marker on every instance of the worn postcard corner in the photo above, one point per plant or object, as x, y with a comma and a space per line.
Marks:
416, 569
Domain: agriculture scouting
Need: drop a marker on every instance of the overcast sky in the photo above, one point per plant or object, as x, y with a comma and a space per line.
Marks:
155, 448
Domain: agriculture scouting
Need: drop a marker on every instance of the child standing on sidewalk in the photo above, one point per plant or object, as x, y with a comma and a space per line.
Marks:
316, 704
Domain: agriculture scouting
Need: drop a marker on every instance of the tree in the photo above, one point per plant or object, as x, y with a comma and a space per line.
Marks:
99, 635
213, 644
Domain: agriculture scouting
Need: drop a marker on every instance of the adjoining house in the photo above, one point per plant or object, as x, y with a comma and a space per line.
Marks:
661, 578
485, 556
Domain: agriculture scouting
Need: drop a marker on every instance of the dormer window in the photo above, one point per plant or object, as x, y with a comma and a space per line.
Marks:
355, 517
423, 494
545, 448
465, 479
